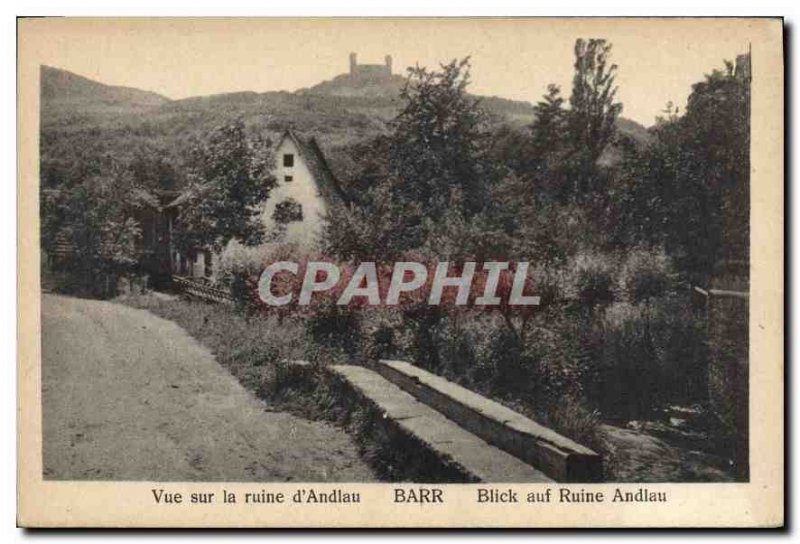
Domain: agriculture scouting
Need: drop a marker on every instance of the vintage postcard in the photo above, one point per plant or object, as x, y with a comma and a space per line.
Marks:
453, 272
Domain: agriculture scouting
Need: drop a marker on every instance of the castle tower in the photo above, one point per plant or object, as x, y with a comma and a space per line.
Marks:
388, 60
353, 63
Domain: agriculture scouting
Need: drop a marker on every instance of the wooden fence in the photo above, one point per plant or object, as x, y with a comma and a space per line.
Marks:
200, 289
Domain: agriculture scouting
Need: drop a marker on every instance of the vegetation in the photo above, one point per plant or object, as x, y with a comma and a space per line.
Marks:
616, 226
89, 226
689, 190
229, 178
99, 213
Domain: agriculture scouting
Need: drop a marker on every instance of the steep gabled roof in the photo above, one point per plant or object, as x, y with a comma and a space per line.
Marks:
314, 158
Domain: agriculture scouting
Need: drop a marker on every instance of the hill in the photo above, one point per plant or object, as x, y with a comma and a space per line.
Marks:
85, 118
61, 86
355, 85
384, 92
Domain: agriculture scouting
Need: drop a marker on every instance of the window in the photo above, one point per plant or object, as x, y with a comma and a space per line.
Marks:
287, 178
288, 211
288, 160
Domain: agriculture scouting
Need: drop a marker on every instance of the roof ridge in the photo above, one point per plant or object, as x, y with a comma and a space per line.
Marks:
320, 155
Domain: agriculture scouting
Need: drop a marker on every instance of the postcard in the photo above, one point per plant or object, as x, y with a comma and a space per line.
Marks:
417, 272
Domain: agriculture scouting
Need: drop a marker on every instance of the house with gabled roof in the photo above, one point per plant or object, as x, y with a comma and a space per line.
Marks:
306, 189
294, 212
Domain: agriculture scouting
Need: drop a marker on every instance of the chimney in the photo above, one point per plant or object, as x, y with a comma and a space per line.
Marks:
352, 63
388, 60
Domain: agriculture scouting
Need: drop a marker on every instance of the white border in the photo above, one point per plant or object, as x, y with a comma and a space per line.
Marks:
307, 8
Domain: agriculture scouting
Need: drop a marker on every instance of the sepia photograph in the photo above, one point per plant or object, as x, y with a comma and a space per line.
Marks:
417, 251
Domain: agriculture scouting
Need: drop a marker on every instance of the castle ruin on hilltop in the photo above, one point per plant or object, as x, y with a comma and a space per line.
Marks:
371, 71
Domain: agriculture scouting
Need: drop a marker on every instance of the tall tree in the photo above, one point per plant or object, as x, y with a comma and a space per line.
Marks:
229, 178
435, 171
593, 110
549, 146
549, 120
689, 190
437, 142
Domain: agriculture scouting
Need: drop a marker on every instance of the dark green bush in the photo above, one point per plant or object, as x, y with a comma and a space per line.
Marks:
642, 357
592, 280
646, 275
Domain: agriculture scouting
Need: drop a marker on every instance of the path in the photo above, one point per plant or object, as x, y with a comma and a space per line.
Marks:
130, 396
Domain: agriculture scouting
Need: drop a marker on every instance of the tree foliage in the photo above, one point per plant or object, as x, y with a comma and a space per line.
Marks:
550, 118
592, 117
432, 171
92, 227
229, 178
437, 138
593, 110
689, 190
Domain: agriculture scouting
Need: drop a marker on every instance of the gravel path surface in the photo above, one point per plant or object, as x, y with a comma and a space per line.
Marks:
130, 396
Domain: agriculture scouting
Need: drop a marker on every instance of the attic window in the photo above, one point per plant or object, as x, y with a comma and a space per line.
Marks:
288, 160
287, 178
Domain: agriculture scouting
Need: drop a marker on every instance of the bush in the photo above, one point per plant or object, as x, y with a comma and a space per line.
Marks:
642, 357
592, 279
647, 274
239, 267
381, 334
548, 284
623, 381
90, 230
333, 332
570, 416
284, 381
237, 261
538, 377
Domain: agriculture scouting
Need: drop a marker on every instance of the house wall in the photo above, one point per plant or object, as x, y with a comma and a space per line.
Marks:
303, 189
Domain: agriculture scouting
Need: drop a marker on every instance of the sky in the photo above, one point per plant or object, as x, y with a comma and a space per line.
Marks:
658, 59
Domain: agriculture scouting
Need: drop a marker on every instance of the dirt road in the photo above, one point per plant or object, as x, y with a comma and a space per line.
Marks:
130, 396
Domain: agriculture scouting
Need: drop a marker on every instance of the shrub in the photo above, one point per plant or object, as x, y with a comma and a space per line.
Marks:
91, 228
573, 419
509, 374
283, 381
647, 274
239, 267
641, 357
381, 334
333, 332
548, 285
625, 368
238, 260
592, 279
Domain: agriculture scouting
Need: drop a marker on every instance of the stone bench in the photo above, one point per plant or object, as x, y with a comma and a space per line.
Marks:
557, 456
456, 449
